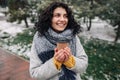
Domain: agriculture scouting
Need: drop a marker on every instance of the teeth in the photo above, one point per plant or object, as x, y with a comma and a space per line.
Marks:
61, 24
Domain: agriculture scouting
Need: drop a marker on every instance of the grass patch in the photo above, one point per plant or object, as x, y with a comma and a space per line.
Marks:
24, 38
104, 62
19, 44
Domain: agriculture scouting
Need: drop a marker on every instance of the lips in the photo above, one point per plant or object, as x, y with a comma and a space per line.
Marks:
61, 24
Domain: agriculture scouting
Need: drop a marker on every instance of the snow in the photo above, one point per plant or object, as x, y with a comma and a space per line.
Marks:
100, 29
1, 14
11, 28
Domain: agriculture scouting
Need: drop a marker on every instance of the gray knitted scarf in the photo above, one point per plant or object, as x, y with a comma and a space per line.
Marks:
51, 38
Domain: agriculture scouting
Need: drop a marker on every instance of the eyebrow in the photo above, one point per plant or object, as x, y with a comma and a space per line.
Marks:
60, 13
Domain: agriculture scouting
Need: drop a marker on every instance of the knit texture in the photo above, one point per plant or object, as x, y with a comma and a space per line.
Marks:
47, 45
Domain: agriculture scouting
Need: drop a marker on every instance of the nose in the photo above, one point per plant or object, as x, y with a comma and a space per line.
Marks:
62, 18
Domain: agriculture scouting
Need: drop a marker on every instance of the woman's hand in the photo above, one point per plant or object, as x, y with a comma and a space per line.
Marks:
59, 55
67, 53
62, 55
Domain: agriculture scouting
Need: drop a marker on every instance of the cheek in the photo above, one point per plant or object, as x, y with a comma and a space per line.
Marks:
67, 20
53, 21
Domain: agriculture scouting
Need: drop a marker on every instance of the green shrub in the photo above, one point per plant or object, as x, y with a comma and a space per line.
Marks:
24, 38
104, 62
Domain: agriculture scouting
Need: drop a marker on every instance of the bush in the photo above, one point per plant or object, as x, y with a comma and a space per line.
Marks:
104, 63
24, 38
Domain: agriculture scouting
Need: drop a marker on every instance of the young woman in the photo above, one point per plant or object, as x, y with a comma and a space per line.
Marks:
48, 61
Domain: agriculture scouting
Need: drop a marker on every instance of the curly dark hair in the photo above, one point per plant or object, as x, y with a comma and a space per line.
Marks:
44, 21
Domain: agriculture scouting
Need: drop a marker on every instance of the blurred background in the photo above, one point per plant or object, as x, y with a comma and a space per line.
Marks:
100, 36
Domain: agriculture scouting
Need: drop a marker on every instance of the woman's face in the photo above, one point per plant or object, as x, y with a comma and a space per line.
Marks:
60, 19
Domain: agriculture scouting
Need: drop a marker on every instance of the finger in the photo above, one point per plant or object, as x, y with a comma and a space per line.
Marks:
59, 55
57, 52
66, 57
67, 51
61, 58
67, 48
55, 49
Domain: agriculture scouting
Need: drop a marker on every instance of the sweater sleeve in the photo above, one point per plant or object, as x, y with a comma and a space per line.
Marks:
70, 63
39, 70
81, 59
57, 64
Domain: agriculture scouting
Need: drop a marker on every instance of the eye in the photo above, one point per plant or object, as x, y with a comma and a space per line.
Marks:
65, 16
56, 15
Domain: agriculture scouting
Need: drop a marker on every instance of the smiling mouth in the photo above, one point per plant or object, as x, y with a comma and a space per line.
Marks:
62, 25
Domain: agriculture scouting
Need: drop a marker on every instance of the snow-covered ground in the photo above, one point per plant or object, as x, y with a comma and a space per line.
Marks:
11, 28
100, 29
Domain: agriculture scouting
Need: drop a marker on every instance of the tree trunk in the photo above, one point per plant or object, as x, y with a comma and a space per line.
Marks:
84, 19
90, 18
26, 23
90, 24
117, 33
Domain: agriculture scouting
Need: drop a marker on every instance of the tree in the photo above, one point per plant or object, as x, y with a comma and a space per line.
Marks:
18, 11
3, 3
111, 14
87, 10
36, 7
